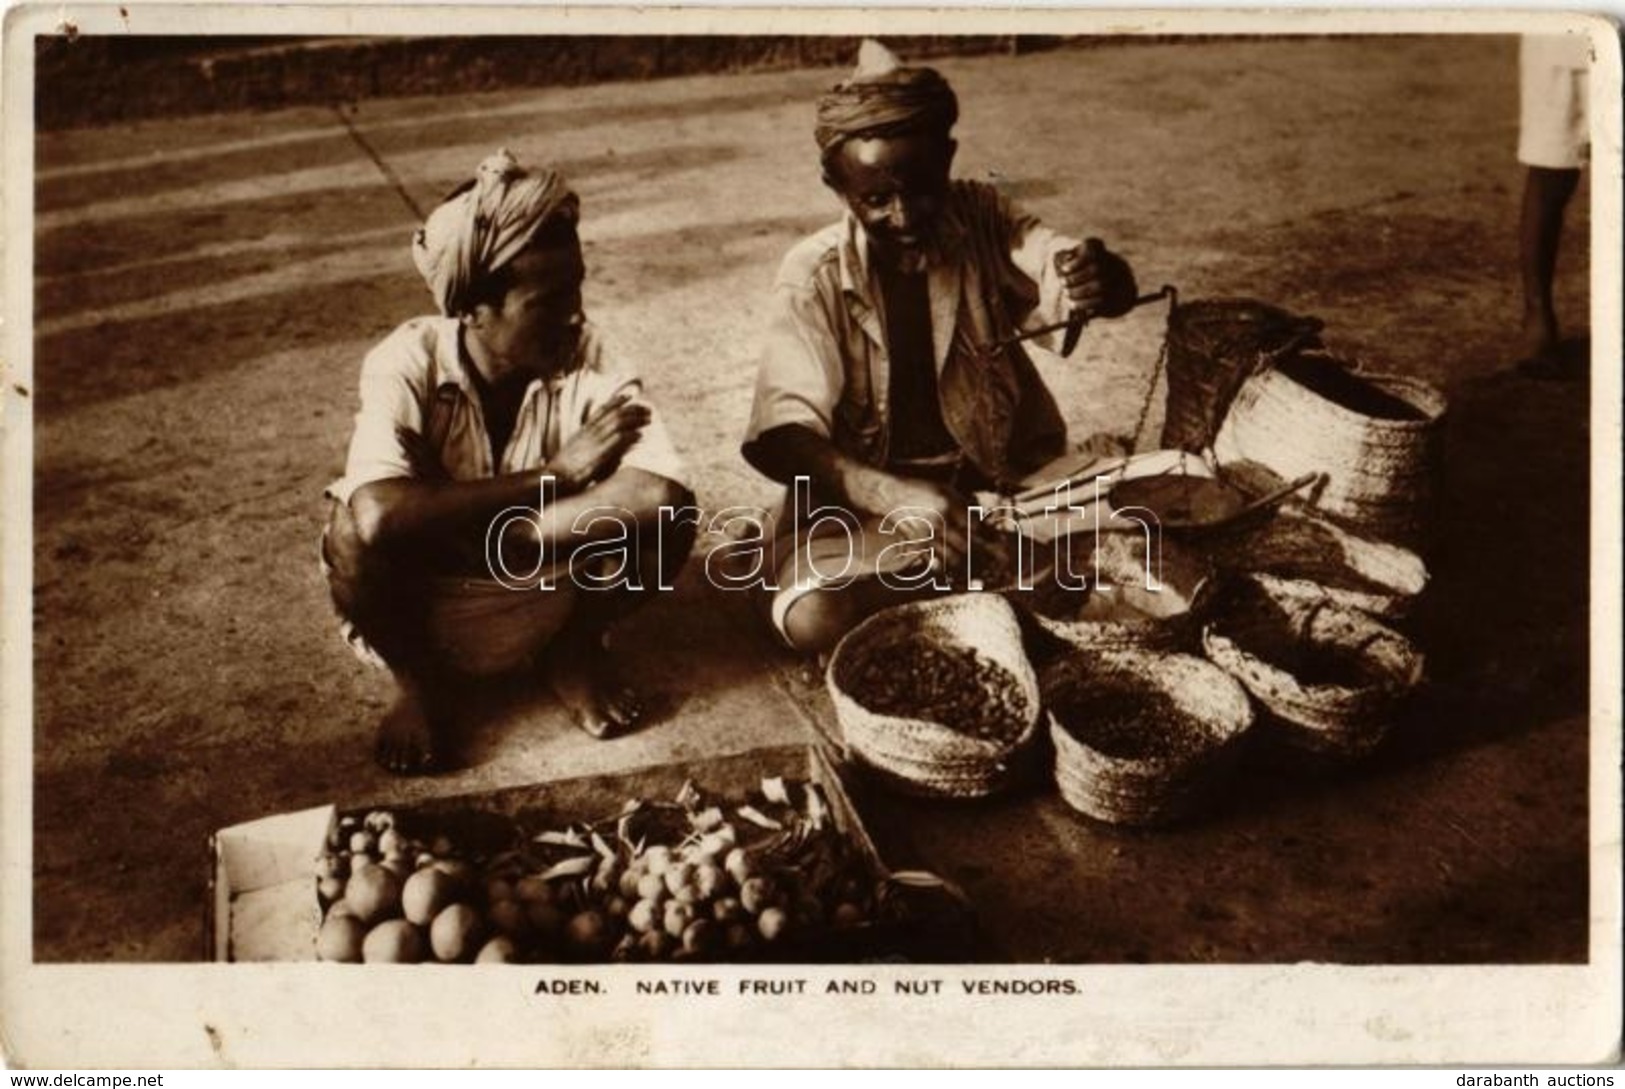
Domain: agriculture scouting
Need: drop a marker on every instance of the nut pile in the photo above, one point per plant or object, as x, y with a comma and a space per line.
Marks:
1130, 726
688, 880
952, 686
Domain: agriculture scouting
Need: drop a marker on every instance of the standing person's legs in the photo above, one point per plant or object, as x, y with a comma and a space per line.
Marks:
1546, 195
1553, 144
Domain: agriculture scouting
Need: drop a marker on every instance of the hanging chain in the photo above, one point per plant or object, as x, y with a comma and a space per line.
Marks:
1156, 372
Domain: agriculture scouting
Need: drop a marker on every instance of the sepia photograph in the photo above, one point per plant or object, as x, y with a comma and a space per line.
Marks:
1055, 538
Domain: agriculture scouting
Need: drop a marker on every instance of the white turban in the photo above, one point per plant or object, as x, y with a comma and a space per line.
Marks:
485, 225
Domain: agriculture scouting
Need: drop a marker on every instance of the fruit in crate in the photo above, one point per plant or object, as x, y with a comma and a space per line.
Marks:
697, 878
393, 942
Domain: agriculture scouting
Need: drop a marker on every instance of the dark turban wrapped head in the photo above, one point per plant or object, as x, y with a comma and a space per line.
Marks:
884, 98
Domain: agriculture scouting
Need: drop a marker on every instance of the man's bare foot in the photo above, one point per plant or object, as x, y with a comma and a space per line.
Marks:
581, 672
406, 736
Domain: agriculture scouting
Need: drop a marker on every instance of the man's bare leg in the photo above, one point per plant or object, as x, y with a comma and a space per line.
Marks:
391, 614
579, 666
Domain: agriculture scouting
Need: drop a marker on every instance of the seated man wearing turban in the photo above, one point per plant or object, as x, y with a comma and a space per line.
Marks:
884, 382
483, 433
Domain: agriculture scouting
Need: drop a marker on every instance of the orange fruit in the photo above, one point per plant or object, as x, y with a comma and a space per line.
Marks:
809, 912
588, 932
655, 945
771, 923
547, 919
394, 942
533, 889
740, 936
700, 937
498, 950
340, 939
847, 915
426, 894
627, 949
509, 917
461, 873
456, 933
374, 893
738, 865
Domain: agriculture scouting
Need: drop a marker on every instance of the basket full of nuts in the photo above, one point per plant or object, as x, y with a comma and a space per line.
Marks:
1142, 738
937, 696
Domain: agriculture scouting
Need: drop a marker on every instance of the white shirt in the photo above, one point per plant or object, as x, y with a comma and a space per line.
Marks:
415, 381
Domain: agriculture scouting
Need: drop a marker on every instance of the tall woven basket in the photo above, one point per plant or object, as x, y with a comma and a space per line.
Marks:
1142, 738
1213, 346
1331, 677
937, 697
1377, 438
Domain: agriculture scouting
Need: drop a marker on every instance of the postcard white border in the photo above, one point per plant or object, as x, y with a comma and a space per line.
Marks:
309, 1015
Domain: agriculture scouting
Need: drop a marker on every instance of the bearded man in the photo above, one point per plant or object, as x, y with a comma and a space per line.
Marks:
889, 380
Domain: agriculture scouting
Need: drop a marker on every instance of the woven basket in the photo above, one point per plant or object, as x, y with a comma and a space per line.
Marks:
1119, 612
1213, 346
1372, 576
1140, 738
918, 755
1330, 677
1377, 438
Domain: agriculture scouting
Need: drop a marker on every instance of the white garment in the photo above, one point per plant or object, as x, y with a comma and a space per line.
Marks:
415, 381
1553, 127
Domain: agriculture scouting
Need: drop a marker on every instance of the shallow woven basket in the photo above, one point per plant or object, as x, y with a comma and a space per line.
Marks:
1382, 473
1213, 345
1266, 631
1184, 578
1156, 698
919, 756
1373, 576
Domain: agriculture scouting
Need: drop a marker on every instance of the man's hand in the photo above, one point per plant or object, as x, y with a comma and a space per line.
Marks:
595, 451
1097, 280
938, 504
421, 458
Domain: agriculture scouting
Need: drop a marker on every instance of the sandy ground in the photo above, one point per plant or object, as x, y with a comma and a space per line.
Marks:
206, 288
